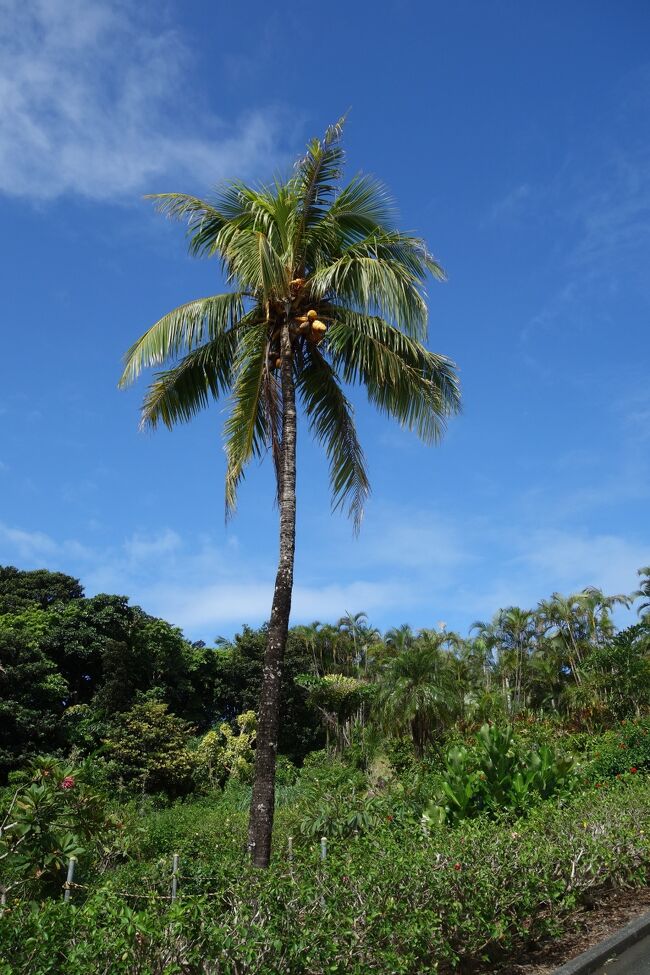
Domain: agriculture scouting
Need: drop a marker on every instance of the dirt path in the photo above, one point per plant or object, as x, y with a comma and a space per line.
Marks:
610, 912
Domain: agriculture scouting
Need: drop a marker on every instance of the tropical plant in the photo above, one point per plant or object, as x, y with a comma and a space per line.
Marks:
222, 754
498, 774
643, 592
52, 813
326, 291
148, 748
416, 691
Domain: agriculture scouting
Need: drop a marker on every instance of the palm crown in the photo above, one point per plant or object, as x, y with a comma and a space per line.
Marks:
328, 260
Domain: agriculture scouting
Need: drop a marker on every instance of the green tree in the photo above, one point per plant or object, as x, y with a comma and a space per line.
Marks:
38, 588
238, 683
149, 749
326, 291
32, 691
416, 692
222, 754
643, 592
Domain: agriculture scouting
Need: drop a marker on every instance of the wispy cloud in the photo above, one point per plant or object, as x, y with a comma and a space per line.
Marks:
96, 99
511, 205
208, 587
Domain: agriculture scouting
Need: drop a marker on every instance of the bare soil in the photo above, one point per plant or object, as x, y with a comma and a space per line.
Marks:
611, 910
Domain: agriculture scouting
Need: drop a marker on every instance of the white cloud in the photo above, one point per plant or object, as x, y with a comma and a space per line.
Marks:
578, 559
207, 588
26, 545
96, 101
35, 547
140, 548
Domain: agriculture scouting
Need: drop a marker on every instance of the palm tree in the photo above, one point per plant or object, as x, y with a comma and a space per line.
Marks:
325, 292
311, 637
416, 691
399, 638
644, 591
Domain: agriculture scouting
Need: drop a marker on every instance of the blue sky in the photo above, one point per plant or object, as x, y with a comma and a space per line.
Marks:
515, 138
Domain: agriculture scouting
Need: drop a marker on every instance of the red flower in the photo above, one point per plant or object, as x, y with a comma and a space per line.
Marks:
598, 785
68, 782
390, 818
457, 866
622, 745
634, 770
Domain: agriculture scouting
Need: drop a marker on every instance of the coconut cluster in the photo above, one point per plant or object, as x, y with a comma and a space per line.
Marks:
310, 326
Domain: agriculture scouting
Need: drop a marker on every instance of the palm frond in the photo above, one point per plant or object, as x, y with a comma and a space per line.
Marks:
178, 394
403, 379
360, 209
246, 431
183, 329
316, 179
331, 422
384, 275
203, 217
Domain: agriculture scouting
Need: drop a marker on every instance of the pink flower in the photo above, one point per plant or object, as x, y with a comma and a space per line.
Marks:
68, 782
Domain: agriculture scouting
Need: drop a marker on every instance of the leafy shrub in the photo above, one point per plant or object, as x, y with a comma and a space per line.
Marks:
333, 799
221, 754
393, 901
148, 748
496, 775
626, 750
53, 813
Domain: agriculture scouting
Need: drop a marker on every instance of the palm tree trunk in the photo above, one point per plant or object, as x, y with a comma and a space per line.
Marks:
260, 825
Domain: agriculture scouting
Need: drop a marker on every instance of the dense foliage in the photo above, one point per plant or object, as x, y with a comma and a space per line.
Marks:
473, 793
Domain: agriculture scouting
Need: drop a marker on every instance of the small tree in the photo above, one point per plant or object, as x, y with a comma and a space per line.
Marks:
149, 750
222, 754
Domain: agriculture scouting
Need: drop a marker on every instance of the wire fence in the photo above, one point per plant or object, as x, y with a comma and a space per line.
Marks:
70, 885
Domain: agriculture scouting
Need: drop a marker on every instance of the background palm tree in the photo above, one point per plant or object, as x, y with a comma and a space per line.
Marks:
644, 591
325, 291
416, 690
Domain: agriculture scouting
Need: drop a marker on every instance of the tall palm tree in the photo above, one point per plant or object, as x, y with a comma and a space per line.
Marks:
325, 291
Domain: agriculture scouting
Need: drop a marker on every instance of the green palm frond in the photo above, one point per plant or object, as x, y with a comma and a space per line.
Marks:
178, 394
382, 274
181, 330
332, 423
286, 247
403, 379
203, 218
318, 173
246, 431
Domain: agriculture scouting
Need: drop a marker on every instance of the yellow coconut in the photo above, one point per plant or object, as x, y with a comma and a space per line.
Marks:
319, 327
312, 315
278, 363
303, 318
304, 326
297, 283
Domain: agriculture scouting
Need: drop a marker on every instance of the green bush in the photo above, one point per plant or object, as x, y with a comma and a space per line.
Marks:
148, 749
496, 775
615, 753
51, 813
392, 901
221, 754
